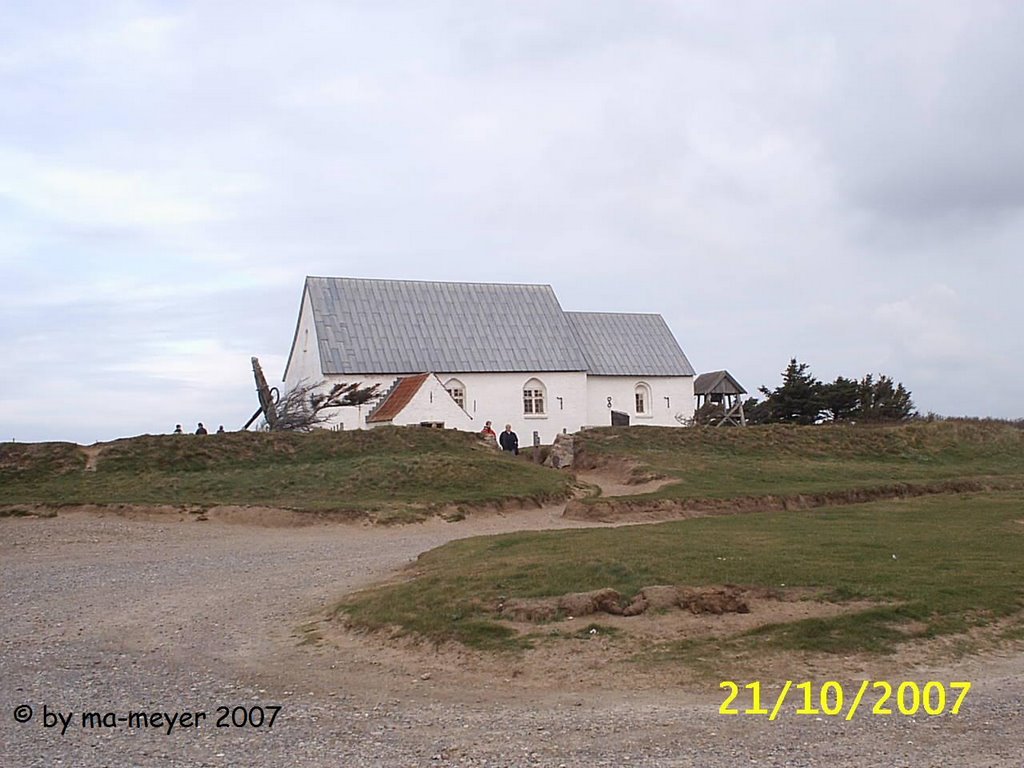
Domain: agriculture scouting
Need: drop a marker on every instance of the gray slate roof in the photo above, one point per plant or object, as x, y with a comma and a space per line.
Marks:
626, 344
406, 326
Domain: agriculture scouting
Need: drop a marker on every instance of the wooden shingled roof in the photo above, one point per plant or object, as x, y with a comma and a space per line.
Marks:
717, 383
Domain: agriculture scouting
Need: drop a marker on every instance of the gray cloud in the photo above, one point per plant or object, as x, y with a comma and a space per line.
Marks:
776, 179
925, 117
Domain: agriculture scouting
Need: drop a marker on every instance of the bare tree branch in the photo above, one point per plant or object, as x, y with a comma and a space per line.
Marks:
306, 406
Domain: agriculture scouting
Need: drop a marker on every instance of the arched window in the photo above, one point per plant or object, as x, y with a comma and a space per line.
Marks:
457, 390
534, 397
642, 399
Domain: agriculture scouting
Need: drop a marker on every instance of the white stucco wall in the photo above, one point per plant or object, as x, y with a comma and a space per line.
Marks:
498, 397
304, 363
671, 396
433, 403
574, 400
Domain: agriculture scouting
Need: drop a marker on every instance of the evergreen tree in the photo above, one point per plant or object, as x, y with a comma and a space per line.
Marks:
884, 400
756, 411
798, 400
841, 399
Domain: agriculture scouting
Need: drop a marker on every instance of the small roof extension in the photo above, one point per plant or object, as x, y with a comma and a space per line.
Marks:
628, 344
397, 398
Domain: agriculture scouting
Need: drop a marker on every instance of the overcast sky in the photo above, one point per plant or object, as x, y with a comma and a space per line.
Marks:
839, 182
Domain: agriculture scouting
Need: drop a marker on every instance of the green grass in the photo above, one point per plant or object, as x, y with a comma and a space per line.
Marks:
402, 472
958, 564
787, 460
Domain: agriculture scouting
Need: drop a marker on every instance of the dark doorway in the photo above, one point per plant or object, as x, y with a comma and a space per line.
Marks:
620, 419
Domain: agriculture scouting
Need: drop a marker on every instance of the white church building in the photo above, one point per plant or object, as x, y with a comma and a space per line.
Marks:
461, 354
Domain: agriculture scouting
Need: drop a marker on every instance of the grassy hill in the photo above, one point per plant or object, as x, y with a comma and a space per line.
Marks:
786, 460
408, 471
932, 566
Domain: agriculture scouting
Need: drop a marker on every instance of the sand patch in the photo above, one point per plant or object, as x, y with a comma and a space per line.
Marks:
595, 651
621, 478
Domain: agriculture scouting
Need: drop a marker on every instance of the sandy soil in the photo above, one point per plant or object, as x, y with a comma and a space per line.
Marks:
619, 480
157, 609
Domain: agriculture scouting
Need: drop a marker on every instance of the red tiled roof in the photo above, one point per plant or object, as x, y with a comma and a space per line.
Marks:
398, 398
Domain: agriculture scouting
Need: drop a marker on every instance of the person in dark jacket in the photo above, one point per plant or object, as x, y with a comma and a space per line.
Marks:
200, 430
509, 440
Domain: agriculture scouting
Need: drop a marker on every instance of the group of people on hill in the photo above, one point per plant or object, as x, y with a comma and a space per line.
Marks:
508, 440
200, 430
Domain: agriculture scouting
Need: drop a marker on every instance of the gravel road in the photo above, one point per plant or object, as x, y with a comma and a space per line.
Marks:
114, 616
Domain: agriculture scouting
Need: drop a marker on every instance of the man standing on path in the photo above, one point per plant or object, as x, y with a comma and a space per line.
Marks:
509, 440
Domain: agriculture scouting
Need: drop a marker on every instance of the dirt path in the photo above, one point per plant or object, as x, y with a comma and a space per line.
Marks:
109, 614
